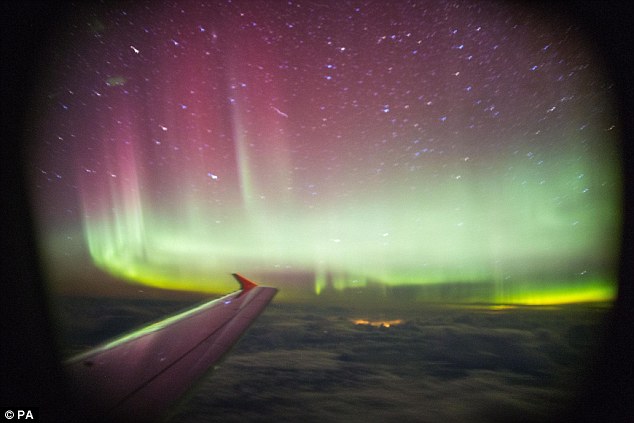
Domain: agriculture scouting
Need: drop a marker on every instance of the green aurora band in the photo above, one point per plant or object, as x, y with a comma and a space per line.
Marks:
539, 237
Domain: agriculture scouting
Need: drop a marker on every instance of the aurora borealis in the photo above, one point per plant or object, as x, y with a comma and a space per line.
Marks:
415, 144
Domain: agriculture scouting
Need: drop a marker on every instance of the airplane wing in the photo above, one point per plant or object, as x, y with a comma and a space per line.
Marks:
139, 375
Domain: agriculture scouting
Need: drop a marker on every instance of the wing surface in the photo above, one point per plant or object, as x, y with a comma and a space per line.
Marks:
138, 376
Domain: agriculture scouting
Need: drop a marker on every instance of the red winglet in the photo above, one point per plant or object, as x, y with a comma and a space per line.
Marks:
244, 282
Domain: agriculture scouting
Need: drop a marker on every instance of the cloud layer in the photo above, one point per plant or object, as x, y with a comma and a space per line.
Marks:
442, 364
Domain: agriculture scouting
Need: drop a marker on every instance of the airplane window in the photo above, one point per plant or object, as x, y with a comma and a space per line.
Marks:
433, 187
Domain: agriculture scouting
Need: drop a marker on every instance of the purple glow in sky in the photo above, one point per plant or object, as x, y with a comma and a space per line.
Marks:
410, 143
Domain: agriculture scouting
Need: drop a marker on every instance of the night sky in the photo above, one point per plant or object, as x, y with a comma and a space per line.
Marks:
401, 143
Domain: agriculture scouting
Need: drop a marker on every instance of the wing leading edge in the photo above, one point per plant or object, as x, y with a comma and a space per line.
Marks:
139, 375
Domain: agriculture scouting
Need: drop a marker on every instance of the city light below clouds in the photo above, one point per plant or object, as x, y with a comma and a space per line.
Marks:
377, 323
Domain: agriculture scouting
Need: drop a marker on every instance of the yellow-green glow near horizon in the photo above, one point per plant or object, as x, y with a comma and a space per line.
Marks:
525, 258
385, 159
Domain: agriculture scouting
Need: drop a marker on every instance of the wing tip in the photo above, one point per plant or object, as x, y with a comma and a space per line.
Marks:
245, 283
